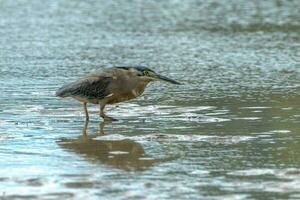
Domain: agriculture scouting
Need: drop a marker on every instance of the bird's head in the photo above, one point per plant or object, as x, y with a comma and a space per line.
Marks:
149, 75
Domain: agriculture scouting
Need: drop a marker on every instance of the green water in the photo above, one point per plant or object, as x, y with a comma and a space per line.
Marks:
231, 131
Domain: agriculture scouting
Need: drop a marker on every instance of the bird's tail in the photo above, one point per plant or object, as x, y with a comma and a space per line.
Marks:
63, 91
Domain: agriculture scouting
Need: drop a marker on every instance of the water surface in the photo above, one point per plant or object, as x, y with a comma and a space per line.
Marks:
231, 131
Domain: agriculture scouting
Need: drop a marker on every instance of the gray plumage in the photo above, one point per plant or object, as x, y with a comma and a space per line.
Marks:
88, 87
109, 86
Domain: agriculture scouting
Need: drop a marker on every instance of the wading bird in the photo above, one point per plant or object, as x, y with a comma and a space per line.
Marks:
110, 86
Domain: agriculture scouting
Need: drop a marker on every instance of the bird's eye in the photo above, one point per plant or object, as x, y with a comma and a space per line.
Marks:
146, 73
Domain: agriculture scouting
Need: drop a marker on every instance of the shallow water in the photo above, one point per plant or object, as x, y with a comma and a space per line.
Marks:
231, 131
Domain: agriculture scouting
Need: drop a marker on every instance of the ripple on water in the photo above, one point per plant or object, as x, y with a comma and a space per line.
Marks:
279, 180
229, 132
179, 138
281, 131
169, 113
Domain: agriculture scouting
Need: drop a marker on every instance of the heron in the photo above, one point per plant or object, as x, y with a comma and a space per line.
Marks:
111, 86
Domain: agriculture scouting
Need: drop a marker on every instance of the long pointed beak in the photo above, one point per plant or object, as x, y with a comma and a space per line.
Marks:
164, 78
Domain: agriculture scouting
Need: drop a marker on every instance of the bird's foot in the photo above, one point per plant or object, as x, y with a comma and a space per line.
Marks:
108, 119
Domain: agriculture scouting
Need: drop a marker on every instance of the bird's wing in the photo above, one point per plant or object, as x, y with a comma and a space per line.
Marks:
92, 87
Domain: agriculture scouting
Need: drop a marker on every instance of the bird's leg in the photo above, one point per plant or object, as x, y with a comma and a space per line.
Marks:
84, 130
86, 112
104, 116
101, 128
102, 106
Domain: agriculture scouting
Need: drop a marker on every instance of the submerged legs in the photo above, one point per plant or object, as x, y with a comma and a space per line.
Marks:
85, 127
102, 106
86, 112
105, 117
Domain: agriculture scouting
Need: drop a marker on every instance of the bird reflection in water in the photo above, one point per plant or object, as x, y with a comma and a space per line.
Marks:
123, 154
